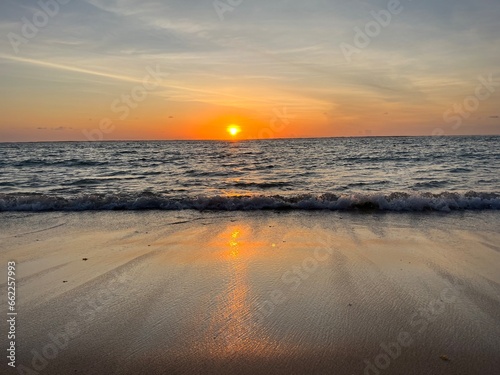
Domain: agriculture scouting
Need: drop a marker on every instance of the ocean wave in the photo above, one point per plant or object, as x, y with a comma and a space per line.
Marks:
260, 185
61, 163
100, 180
409, 202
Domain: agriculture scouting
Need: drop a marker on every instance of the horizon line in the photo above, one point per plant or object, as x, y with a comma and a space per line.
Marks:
256, 139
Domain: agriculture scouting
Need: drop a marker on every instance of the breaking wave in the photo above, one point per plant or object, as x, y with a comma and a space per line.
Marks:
409, 202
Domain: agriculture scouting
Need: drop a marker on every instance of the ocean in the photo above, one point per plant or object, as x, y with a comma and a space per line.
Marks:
362, 174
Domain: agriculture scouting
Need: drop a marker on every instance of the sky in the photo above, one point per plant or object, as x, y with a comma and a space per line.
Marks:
176, 69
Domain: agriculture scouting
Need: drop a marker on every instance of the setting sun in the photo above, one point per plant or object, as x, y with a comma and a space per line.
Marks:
233, 130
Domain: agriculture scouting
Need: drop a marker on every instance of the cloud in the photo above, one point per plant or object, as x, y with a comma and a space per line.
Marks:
264, 53
59, 128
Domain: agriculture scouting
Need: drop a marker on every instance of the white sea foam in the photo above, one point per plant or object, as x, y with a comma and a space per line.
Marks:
444, 202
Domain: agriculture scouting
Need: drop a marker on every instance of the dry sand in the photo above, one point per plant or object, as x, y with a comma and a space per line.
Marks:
254, 293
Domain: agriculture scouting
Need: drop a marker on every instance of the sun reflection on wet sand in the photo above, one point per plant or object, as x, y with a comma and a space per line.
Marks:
229, 321
234, 328
234, 244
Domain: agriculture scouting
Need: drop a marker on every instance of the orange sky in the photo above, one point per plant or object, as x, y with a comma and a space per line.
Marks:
171, 70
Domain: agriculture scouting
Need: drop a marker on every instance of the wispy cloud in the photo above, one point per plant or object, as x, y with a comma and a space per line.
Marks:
59, 128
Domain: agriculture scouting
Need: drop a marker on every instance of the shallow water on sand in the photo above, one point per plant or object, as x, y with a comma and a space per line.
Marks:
257, 293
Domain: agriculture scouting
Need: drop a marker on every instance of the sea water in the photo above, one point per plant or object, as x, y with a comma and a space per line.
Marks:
375, 173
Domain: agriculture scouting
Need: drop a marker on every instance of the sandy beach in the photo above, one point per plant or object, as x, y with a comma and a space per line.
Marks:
244, 293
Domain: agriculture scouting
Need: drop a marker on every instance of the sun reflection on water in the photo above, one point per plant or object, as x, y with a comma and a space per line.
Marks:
229, 324
235, 329
234, 244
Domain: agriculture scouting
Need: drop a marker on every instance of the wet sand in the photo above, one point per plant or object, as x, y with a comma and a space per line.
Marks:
250, 293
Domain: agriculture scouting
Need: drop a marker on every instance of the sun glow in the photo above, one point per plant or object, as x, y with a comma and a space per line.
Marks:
234, 130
